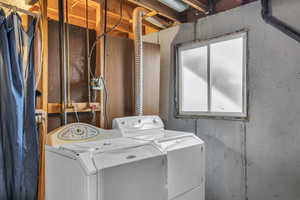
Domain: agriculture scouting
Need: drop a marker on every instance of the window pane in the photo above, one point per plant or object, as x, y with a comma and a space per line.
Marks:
194, 80
227, 76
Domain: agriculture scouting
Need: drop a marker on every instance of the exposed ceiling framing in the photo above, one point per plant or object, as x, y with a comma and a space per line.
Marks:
197, 5
165, 16
160, 8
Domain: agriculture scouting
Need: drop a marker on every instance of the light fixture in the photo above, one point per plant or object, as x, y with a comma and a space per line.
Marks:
177, 5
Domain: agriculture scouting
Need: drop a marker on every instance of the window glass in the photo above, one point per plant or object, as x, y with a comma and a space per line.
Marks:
194, 79
226, 63
212, 77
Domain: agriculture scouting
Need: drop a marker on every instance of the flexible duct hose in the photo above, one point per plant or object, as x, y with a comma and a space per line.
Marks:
138, 14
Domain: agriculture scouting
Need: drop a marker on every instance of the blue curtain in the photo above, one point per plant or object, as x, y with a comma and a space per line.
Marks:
19, 137
3, 62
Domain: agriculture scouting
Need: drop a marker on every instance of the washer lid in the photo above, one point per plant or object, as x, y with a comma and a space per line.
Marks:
118, 157
94, 156
100, 145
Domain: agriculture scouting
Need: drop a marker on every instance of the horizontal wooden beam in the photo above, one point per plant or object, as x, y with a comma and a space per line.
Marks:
113, 11
73, 19
76, 15
161, 9
55, 108
112, 14
125, 26
113, 19
90, 3
197, 5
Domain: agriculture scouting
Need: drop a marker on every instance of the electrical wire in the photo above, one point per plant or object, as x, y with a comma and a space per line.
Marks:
76, 113
110, 30
93, 48
105, 101
87, 50
68, 54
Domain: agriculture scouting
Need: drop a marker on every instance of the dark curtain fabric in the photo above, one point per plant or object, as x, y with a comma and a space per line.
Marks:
31, 164
19, 136
4, 61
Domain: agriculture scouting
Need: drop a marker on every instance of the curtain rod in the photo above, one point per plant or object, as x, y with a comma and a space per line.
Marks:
19, 9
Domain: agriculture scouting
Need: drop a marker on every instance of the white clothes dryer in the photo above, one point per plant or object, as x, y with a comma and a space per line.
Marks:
185, 154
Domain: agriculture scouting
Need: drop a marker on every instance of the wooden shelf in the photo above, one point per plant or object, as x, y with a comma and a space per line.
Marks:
55, 108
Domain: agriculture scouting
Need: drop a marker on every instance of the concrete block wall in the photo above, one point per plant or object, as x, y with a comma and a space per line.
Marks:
257, 159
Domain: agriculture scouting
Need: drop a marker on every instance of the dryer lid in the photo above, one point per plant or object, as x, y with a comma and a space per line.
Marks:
156, 135
180, 142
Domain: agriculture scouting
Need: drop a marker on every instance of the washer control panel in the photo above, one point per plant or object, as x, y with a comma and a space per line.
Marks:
78, 132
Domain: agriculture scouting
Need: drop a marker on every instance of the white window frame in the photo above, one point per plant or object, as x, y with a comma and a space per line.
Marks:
178, 84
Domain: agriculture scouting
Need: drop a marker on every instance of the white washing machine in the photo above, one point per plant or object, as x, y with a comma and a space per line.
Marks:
83, 164
185, 154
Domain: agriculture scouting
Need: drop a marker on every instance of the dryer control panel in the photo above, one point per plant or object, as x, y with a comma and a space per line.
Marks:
138, 123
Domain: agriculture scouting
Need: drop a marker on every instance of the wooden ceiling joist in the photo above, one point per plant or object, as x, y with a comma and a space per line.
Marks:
160, 8
197, 5
77, 15
129, 20
73, 19
124, 26
113, 10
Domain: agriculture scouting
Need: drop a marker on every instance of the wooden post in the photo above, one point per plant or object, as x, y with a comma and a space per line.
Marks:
100, 60
44, 78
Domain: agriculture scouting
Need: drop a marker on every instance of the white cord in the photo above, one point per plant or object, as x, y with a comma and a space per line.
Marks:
105, 100
76, 113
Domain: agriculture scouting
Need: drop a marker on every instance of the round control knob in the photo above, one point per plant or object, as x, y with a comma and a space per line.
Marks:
78, 131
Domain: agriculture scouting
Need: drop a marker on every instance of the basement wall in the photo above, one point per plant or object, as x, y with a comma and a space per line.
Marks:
257, 159
78, 71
